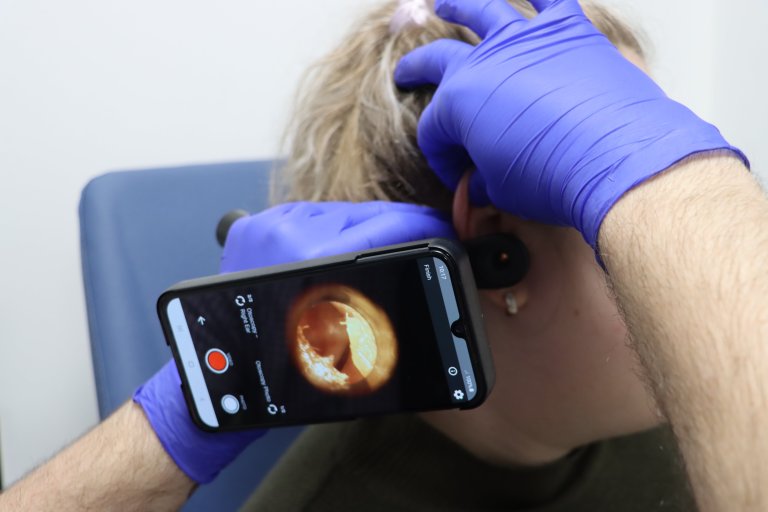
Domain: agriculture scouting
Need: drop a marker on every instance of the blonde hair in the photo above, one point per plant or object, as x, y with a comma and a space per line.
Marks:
353, 133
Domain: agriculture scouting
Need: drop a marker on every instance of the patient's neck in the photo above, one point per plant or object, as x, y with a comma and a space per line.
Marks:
489, 441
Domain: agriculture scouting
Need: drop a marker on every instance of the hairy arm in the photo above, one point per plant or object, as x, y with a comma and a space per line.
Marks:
687, 254
120, 465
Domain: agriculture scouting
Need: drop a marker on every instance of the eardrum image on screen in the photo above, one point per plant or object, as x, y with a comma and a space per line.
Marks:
341, 341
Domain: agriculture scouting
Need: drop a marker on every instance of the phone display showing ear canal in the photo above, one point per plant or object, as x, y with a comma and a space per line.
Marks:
324, 344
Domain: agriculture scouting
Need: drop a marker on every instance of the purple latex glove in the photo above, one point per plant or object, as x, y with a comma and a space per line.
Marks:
299, 231
283, 234
201, 455
557, 122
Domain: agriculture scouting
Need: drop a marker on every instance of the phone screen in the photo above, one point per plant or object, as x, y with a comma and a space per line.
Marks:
322, 345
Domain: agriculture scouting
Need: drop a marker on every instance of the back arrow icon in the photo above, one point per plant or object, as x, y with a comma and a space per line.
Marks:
201, 320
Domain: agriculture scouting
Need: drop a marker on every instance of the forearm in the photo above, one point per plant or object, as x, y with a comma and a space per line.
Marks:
687, 255
120, 465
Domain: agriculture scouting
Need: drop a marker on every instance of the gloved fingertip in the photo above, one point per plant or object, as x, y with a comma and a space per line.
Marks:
444, 8
406, 73
478, 190
428, 64
448, 164
400, 70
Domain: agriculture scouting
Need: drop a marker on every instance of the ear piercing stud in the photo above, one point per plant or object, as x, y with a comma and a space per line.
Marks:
509, 298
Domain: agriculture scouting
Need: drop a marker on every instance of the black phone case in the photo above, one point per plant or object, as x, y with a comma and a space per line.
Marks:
464, 284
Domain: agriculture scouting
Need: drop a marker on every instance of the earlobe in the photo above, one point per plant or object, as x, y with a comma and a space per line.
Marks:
511, 301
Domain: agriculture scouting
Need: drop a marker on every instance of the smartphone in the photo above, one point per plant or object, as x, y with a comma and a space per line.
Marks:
390, 330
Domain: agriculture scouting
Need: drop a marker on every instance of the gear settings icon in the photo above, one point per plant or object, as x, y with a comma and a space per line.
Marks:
458, 394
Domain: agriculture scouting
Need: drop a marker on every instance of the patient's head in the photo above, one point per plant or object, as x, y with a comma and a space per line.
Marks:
565, 375
353, 135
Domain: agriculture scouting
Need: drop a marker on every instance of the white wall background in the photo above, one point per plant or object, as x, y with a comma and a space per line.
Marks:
88, 86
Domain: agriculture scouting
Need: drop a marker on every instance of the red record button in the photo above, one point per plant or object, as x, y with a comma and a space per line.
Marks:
216, 360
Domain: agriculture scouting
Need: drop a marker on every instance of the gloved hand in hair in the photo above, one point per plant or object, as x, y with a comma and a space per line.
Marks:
283, 234
558, 124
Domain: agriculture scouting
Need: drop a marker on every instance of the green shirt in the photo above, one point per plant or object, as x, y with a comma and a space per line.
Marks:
401, 463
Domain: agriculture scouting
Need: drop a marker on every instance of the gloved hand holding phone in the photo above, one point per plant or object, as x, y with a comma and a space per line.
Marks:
283, 234
557, 122
300, 231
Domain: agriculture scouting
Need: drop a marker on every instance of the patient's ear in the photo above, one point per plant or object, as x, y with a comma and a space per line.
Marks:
471, 221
